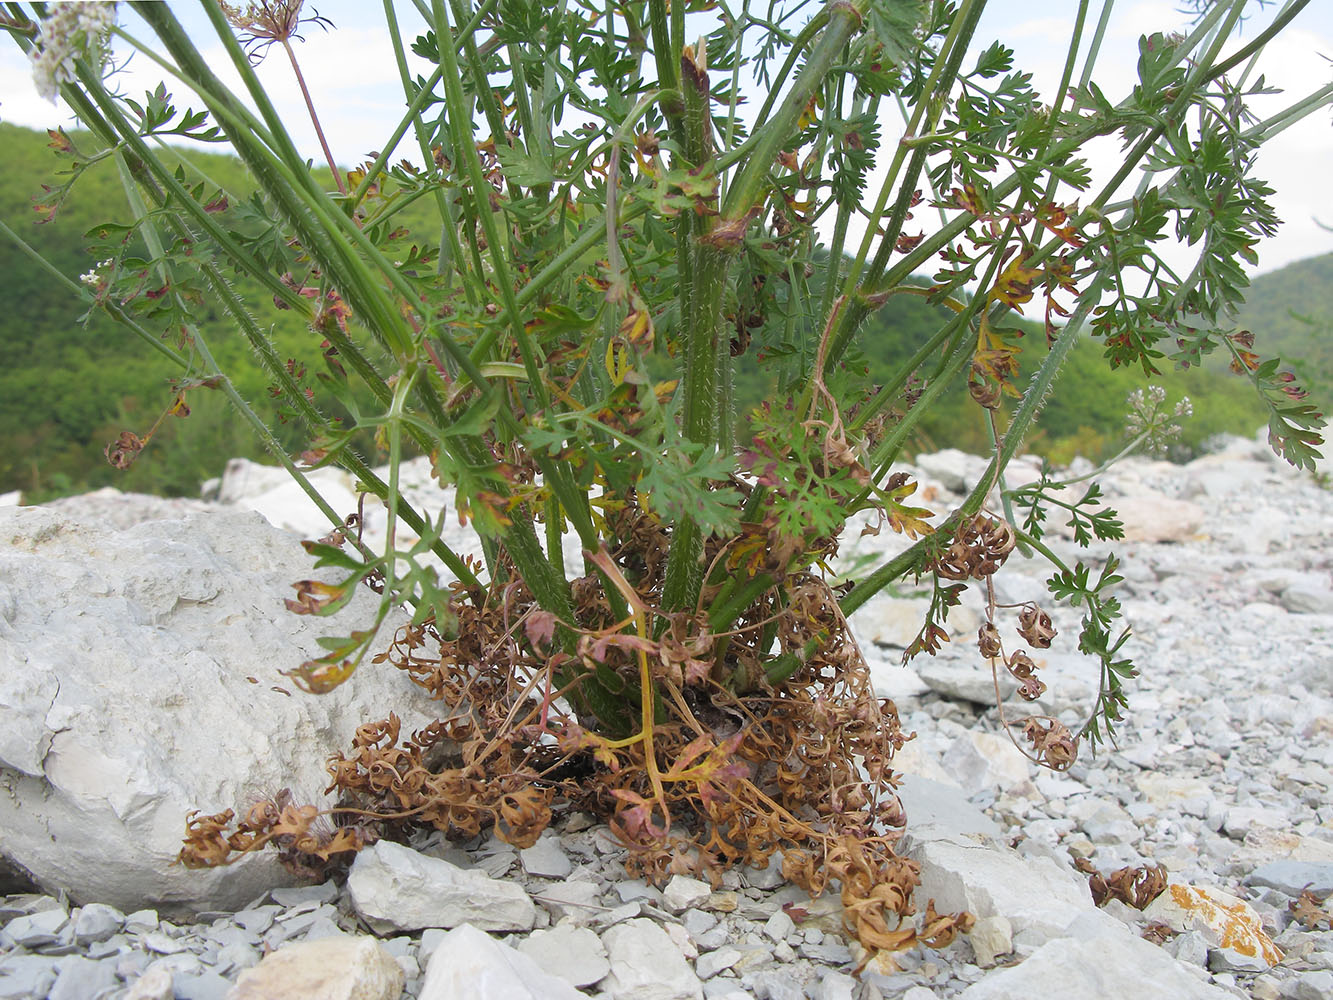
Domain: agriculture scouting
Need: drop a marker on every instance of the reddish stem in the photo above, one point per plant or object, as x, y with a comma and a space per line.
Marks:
314, 118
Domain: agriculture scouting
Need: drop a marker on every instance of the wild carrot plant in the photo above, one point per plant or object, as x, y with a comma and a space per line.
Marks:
616, 233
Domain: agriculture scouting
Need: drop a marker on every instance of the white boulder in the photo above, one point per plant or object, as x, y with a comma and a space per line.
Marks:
140, 679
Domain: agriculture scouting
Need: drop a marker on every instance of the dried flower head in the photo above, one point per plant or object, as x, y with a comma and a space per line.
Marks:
70, 31
268, 21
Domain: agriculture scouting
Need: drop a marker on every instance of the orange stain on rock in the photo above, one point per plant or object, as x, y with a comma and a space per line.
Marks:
1236, 924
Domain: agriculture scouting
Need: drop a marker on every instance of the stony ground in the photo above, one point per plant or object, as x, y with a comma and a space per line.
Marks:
1222, 775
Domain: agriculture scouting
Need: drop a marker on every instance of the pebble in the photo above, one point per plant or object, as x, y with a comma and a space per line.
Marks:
1222, 776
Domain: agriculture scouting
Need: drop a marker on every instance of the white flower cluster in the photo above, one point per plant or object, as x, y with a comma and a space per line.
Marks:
70, 31
1148, 417
92, 279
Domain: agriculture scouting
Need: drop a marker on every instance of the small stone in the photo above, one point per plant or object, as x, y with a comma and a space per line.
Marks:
578, 822
36, 929
154, 984
546, 859
1230, 960
830, 951
341, 968
714, 937
26, 976
645, 964
680, 937
257, 920
711, 963
141, 922
97, 922
725, 988
779, 926
394, 888
325, 892
770, 985
723, 902
575, 954
1291, 877
835, 986
698, 922
160, 944
769, 877
468, 963
235, 957
1189, 948
991, 937
1309, 986
637, 889
1221, 918
570, 900
81, 978
683, 893
205, 985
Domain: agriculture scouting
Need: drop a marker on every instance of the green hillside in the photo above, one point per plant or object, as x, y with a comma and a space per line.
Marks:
69, 386
1290, 313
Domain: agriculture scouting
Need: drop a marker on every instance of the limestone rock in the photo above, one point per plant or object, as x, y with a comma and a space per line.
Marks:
646, 965
980, 761
467, 963
575, 954
139, 680
394, 888
990, 938
546, 859
1111, 965
1150, 517
1290, 877
1038, 898
683, 892
966, 681
332, 968
936, 809
955, 470
1225, 921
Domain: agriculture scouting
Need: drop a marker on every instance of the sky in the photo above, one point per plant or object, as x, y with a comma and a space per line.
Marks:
354, 82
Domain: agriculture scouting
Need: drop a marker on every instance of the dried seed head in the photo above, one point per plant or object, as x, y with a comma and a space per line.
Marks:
1053, 745
988, 640
1034, 625
978, 549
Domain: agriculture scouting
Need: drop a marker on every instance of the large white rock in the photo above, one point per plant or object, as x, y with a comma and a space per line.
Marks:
1108, 965
470, 964
139, 679
395, 888
1038, 897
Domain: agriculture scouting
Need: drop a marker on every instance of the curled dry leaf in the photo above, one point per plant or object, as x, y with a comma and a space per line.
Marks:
1134, 886
1306, 909
122, 452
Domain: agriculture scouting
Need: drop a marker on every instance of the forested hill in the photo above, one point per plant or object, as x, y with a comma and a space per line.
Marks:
66, 388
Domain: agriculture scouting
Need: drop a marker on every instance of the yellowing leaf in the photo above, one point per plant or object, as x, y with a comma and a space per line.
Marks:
1014, 285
